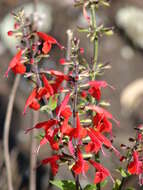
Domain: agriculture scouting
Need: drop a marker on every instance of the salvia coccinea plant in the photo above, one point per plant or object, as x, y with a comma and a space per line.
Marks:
78, 127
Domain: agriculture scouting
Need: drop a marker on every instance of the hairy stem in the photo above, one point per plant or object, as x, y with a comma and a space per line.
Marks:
95, 61
75, 109
7, 129
68, 57
95, 41
35, 116
33, 156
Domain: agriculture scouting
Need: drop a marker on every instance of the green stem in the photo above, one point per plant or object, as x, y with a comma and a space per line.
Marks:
95, 41
95, 60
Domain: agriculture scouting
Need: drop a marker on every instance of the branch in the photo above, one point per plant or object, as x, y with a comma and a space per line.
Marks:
68, 57
95, 60
33, 156
95, 42
75, 98
35, 117
7, 129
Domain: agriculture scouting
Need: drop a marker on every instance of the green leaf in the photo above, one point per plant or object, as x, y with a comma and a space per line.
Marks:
82, 29
130, 188
109, 32
45, 109
87, 156
117, 184
105, 3
52, 104
64, 184
103, 103
90, 187
103, 184
40, 135
87, 121
122, 172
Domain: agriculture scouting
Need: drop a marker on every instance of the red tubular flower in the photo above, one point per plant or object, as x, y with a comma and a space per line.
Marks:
47, 85
136, 166
31, 101
101, 174
66, 113
102, 111
42, 91
10, 33
15, 65
65, 128
83, 94
53, 162
46, 47
59, 78
49, 40
45, 125
46, 91
94, 145
95, 88
50, 136
101, 123
79, 132
81, 165
62, 61
58, 74
97, 140
63, 104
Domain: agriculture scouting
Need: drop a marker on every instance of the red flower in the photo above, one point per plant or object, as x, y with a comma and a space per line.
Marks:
97, 140
45, 125
101, 173
62, 61
53, 162
10, 33
94, 145
60, 77
66, 113
65, 128
58, 74
50, 136
32, 101
101, 123
79, 132
102, 111
95, 88
83, 94
81, 165
49, 40
47, 85
16, 65
136, 166
47, 90
46, 47
63, 104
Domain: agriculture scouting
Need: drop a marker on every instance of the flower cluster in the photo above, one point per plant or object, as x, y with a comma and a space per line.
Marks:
78, 127
69, 134
135, 161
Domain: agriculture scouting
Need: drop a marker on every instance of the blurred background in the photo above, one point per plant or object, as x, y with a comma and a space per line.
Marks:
124, 52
